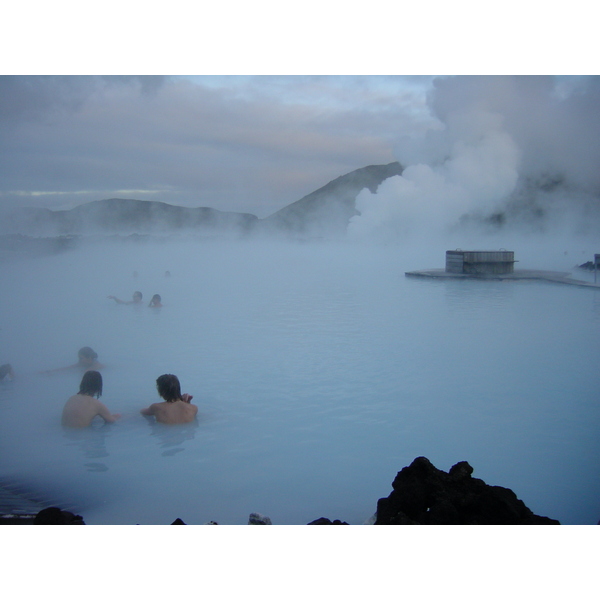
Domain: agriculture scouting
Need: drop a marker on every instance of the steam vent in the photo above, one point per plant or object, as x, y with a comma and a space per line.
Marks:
480, 262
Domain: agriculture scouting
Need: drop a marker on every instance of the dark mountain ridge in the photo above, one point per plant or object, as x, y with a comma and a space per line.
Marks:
121, 215
329, 209
323, 212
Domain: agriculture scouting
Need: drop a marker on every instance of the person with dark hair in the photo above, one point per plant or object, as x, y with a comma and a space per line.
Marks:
136, 299
177, 408
87, 361
80, 410
6, 371
156, 301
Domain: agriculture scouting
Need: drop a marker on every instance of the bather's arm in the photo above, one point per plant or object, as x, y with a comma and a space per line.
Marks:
106, 414
148, 412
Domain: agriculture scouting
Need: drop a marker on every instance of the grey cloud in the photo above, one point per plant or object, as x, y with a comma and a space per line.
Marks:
44, 97
557, 135
239, 145
148, 84
36, 98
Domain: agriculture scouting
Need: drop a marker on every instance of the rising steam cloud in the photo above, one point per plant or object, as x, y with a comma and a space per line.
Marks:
506, 152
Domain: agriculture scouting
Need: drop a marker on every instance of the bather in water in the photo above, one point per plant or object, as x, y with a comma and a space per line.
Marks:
177, 407
81, 409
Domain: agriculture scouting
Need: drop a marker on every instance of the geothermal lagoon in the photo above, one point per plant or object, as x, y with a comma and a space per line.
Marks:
319, 371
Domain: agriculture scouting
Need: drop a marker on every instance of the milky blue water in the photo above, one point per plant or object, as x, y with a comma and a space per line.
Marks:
319, 371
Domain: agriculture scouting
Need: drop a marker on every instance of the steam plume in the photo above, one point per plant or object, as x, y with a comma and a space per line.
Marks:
507, 152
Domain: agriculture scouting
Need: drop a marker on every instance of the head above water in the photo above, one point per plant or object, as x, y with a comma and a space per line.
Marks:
6, 371
87, 355
168, 387
137, 296
91, 384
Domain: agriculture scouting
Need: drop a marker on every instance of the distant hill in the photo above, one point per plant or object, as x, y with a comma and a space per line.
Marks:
329, 209
325, 212
119, 215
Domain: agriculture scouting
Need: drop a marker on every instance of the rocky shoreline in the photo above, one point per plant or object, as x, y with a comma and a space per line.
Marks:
422, 495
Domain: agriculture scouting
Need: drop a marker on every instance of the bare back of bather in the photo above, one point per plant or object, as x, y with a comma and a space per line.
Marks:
177, 407
80, 410
172, 413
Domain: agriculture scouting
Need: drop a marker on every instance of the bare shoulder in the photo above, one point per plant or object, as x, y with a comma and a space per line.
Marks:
152, 409
100, 406
73, 399
82, 400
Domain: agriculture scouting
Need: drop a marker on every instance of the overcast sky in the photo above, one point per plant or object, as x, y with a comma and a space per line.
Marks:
241, 143
257, 143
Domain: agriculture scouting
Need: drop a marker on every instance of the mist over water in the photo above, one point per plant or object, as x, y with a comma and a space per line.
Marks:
319, 371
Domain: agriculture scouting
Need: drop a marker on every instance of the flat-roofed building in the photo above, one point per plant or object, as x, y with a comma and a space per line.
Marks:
480, 262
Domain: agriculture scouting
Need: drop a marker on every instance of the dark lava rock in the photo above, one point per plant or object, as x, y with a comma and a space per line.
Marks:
324, 521
56, 516
424, 495
329, 209
588, 266
177, 521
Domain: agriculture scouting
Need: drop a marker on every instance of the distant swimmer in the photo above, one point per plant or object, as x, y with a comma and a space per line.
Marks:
80, 410
156, 301
177, 407
7, 372
136, 299
87, 361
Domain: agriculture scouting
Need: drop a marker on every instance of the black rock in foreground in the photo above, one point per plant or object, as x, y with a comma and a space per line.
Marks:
56, 516
325, 521
424, 495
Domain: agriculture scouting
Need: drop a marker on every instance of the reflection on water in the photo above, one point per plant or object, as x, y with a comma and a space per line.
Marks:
91, 442
172, 437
